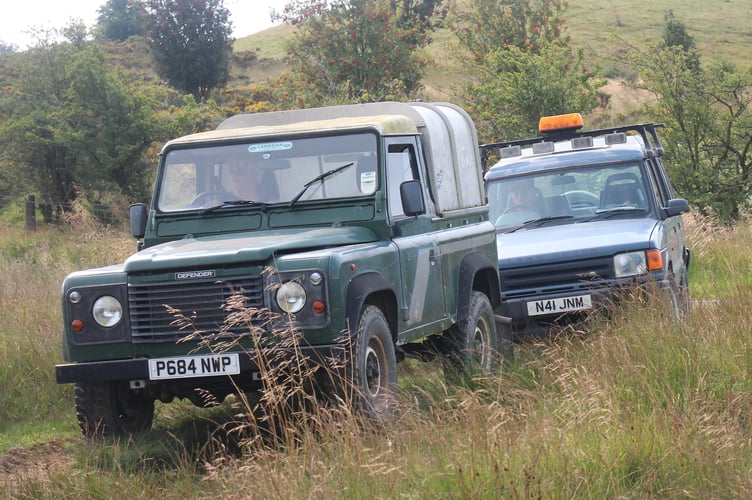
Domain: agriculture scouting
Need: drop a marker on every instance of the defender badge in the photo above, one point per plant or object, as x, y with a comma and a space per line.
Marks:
192, 275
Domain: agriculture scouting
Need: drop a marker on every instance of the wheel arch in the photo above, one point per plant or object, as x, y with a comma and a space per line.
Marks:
371, 288
477, 273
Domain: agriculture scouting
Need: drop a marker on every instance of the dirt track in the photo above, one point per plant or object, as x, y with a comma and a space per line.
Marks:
32, 464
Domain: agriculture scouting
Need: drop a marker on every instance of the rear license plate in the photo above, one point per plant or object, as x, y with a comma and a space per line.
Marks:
194, 366
560, 305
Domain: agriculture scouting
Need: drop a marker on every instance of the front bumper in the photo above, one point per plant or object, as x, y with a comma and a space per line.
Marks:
138, 369
515, 302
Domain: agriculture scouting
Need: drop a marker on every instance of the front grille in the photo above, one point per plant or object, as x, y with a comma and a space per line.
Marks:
554, 278
200, 300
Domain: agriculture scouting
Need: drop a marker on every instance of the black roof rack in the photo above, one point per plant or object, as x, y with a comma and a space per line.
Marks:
646, 130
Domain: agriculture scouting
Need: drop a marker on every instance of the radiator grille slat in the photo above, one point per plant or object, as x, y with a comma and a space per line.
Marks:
200, 300
557, 277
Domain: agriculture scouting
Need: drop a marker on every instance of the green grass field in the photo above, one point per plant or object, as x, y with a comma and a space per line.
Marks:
637, 406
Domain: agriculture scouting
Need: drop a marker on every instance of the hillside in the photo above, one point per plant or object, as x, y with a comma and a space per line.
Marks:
722, 30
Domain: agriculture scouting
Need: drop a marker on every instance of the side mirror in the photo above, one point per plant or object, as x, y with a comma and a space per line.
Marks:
411, 194
676, 206
138, 220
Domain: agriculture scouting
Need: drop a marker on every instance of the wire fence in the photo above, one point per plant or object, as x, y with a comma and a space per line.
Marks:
35, 210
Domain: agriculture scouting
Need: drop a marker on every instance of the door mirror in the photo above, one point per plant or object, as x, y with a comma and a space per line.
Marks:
138, 220
676, 206
411, 194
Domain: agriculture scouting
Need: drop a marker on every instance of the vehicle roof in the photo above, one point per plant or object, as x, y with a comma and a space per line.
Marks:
599, 154
448, 136
384, 124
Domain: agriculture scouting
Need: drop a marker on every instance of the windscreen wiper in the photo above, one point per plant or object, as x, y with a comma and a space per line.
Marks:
231, 203
539, 222
319, 178
607, 214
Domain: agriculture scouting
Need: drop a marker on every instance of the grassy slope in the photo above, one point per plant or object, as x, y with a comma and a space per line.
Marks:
641, 407
615, 413
722, 30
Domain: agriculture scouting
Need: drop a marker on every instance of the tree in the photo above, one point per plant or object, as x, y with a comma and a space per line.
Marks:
675, 35
120, 19
354, 51
420, 17
707, 111
519, 66
515, 88
191, 43
73, 126
490, 25
708, 134
6, 48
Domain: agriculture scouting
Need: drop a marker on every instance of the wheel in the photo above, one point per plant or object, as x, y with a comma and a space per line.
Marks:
474, 342
111, 409
374, 366
679, 294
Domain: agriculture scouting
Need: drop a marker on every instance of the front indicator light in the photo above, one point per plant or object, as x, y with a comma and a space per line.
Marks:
107, 311
655, 260
77, 325
291, 297
318, 307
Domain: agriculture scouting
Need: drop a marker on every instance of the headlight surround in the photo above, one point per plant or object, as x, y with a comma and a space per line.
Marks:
630, 264
107, 311
299, 297
291, 297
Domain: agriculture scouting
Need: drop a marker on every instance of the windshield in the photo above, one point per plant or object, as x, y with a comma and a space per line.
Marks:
268, 172
568, 196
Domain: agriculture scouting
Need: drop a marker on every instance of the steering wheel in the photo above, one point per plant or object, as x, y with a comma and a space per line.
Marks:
582, 199
208, 198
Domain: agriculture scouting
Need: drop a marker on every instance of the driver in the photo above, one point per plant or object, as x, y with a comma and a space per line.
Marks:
244, 178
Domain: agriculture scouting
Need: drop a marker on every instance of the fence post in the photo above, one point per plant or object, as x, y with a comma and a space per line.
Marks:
31, 213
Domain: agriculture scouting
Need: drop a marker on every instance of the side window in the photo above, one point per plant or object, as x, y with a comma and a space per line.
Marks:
401, 165
181, 184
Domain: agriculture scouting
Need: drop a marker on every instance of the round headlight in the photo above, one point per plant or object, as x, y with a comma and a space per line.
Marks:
291, 297
107, 311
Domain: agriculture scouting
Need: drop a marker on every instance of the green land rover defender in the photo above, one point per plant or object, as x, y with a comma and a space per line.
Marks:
362, 229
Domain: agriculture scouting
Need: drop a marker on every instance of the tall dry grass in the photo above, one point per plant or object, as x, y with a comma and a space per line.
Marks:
638, 405
32, 267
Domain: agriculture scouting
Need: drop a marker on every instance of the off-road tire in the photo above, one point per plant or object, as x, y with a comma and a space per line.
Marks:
107, 409
679, 294
473, 343
374, 366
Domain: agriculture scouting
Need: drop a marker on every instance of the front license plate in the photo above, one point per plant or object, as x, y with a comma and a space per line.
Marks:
561, 305
194, 366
